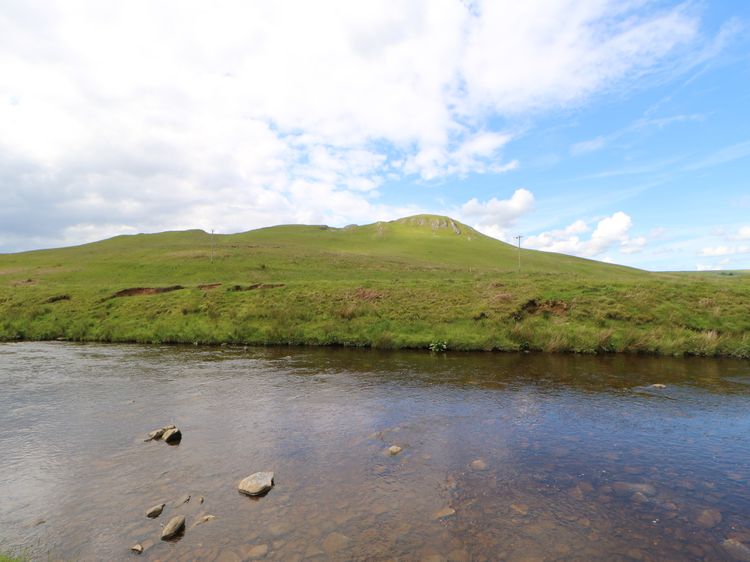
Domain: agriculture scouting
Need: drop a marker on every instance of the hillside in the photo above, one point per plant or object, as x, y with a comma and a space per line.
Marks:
405, 283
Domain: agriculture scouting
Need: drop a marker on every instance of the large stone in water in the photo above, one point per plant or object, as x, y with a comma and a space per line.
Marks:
172, 529
172, 436
155, 511
256, 484
736, 550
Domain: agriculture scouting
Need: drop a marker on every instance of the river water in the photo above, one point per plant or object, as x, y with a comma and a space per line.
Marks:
504, 456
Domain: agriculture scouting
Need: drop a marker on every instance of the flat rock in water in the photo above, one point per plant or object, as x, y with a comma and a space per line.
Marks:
175, 526
204, 519
137, 548
709, 518
736, 550
334, 542
155, 511
172, 436
256, 484
623, 488
478, 464
443, 513
394, 449
658, 385
256, 552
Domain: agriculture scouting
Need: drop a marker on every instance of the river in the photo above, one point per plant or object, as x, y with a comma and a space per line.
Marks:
518, 457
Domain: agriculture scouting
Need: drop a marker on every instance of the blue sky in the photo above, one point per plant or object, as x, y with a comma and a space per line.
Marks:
618, 131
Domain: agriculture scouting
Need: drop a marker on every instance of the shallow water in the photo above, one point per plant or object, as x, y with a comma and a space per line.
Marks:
530, 457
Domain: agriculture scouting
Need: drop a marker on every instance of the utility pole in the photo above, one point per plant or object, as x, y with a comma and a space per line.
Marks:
518, 238
212, 245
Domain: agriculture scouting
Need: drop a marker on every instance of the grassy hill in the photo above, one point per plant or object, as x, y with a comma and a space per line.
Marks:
408, 283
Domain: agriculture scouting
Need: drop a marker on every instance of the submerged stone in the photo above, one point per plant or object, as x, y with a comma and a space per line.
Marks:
736, 550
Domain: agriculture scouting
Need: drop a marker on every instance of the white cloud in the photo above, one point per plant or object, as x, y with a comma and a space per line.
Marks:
725, 250
713, 267
494, 216
159, 115
743, 233
611, 232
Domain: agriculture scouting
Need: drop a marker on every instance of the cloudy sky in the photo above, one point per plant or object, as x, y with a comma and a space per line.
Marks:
611, 129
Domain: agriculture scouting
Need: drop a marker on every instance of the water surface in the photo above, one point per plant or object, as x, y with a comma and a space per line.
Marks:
525, 457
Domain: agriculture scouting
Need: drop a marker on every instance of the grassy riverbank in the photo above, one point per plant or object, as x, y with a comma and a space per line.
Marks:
408, 283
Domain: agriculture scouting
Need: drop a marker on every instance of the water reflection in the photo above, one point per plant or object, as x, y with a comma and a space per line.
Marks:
504, 457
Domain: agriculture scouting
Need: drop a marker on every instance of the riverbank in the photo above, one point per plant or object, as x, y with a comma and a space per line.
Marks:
389, 285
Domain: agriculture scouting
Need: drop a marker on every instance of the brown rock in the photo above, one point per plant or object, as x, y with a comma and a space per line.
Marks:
335, 542
478, 464
736, 550
256, 552
443, 513
394, 449
256, 484
520, 508
175, 527
155, 511
709, 518
172, 436
137, 548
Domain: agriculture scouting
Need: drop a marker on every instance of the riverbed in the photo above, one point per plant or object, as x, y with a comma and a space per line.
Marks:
518, 457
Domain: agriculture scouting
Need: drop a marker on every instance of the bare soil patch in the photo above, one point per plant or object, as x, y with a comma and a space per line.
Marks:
136, 291
256, 286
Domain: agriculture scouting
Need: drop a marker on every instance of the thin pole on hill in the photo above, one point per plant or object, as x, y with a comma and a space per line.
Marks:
518, 238
212, 245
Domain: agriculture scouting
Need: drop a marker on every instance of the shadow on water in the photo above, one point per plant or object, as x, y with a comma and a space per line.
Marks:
503, 456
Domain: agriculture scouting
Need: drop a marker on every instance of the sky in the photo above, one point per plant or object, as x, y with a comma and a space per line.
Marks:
617, 130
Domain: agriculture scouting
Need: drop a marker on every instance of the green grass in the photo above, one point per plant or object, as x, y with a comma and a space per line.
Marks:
406, 283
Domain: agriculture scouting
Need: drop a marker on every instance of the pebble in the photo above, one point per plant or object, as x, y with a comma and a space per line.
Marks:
520, 508
443, 513
394, 449
137, 548
478, 464
155, 511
